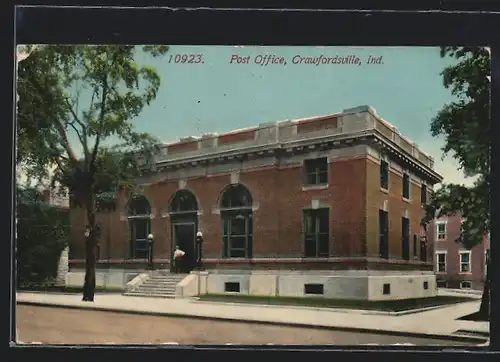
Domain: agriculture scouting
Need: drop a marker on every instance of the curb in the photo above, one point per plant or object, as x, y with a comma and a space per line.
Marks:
336, 310
463, 339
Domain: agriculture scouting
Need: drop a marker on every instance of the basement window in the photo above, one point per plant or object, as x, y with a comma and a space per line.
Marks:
232, 287
386, 289
441, 283
465, 285
426, 285
315, 289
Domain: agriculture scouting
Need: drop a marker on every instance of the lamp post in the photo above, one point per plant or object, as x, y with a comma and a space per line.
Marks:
199, 242
150, 251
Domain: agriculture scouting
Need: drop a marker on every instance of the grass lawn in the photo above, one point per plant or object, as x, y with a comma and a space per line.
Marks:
386, 305
68, 289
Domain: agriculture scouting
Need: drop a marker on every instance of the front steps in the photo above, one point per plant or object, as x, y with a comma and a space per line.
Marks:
160, 285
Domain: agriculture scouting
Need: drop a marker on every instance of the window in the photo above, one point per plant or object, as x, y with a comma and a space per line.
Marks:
462, 221
415, 248
139, 216
386, 289
183, 201
465, 266
423, 247
406, 186
316, 233
383, 219
315, 289
465, 285
316, 171
236, 235
405, 227
236, 214
442, 283
384, 175
486, 261
423, 194
426, 285
232, 287
440, 262
441, 230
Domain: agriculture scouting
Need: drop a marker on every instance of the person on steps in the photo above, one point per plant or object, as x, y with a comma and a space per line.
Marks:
178, 258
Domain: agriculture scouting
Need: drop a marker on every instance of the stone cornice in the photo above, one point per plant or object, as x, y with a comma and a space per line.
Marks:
273, 149
397, 152
284, 149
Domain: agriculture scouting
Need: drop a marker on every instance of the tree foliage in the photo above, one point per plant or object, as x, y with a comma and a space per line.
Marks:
465, 125
42, 234
75, 111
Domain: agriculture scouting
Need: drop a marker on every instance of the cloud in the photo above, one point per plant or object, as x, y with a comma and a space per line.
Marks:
447, 167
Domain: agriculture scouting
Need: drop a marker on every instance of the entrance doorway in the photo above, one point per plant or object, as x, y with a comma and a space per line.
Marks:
184, 236
183, 209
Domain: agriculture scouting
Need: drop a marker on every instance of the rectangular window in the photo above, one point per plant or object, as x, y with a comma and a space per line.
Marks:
415, 247
386, 289
237, 235
465, 266
486, 261
441, 230
384, 175
406, 186
140, 228
315, 289
316, 171
383, 219
465, 285
440, 262
316, 233
232, 287
423, 194
405, 227
423, 248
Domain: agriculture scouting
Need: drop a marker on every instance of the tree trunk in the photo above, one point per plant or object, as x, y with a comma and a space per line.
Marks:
90, 254
484, 309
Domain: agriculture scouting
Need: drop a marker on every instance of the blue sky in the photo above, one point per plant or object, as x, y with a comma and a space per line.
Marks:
404, 87
216, 96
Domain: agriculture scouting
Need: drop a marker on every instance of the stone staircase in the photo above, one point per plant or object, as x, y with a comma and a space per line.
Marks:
159, 284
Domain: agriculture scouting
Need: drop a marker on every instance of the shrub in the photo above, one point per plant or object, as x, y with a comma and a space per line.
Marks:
42, 234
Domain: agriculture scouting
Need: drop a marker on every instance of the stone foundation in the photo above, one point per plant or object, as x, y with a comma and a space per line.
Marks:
63, 267
111, 278
351, 284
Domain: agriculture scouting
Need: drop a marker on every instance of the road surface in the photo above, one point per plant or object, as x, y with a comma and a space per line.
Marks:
71, 326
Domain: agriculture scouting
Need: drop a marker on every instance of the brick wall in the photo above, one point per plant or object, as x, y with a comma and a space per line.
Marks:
353, 196
396, 207
452, 248
279, 200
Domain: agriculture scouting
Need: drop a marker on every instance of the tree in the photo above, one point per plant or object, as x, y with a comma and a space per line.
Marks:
465, 125
75, 108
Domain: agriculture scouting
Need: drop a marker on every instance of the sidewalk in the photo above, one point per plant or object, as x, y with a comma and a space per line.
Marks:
438, 323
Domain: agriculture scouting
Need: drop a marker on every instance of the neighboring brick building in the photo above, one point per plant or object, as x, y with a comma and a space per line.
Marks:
341, 192
455, 266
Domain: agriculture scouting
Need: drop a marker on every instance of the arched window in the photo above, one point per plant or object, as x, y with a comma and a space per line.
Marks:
139, 216
236, 214
183, 201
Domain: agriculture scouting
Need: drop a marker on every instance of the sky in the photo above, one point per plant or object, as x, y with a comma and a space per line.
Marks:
403, 84
224, 89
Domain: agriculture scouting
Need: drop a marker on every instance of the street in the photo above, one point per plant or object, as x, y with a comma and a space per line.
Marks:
70, 326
